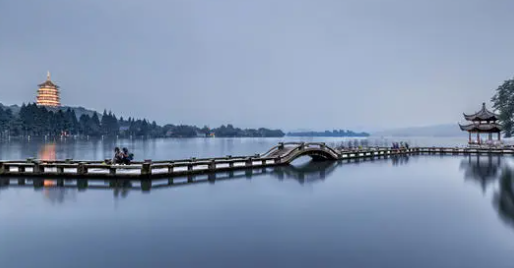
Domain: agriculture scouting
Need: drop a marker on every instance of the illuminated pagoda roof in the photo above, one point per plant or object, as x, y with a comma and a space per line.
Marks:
489, 127
48, 82
482, 115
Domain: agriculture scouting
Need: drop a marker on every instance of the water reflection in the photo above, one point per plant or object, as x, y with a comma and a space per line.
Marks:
398, 160
504, 197
482, 169
47, 152
306, 173
486, 170
58, 194
59, 190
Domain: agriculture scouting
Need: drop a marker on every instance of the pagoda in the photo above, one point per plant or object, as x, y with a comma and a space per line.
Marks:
483, 121
48, 94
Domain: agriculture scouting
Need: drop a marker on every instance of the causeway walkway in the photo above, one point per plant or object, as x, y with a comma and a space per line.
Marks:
282, 154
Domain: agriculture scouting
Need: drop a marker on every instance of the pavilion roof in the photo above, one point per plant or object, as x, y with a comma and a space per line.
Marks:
491, 127
482, 115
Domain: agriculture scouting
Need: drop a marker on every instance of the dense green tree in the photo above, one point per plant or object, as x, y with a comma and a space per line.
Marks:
73, 123
206, 130
503, 102
109, 124
39, 121
94, 126
6, 118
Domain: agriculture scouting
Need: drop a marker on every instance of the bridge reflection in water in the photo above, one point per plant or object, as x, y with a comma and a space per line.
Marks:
305, 173
486, 171
309, 172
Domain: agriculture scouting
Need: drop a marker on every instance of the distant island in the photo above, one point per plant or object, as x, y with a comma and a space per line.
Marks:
328, 133
40, 121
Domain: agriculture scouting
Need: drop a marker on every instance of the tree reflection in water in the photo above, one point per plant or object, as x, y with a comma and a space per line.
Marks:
504, 197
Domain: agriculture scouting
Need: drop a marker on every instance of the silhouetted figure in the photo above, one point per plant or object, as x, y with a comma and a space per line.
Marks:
117, 159
126, 157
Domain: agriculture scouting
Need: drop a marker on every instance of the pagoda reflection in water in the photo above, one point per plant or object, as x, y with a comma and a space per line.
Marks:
482, 169
53, 194
47, 152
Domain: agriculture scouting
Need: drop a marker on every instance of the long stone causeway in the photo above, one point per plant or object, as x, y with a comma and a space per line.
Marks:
282, 154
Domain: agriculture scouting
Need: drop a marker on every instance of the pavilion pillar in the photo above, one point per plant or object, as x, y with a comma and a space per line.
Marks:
499, 136
469, 136
490, 136
478, 137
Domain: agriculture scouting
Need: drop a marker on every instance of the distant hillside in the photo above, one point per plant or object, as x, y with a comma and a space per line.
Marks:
34, 121
79, 111
14, 108
446, 130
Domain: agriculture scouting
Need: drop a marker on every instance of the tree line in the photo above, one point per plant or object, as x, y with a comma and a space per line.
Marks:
33, 120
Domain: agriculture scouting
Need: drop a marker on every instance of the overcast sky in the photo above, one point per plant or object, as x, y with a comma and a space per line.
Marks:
290, 64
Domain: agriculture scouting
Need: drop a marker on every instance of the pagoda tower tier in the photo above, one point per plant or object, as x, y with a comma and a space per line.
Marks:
48, 93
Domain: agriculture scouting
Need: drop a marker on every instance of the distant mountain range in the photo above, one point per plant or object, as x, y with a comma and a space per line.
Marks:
444, 130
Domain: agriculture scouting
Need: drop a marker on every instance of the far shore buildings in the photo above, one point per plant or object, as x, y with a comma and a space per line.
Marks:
48, 94
482, 122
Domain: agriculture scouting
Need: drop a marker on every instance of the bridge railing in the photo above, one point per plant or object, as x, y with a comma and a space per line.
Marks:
324, 146
144, 168
270, 150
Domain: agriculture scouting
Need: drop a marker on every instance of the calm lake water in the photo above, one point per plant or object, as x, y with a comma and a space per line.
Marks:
418, 211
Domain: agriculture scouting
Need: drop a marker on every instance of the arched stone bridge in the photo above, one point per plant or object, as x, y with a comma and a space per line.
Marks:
289, 151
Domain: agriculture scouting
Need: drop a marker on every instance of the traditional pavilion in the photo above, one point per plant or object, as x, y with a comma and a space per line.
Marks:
48, 94
483, 121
